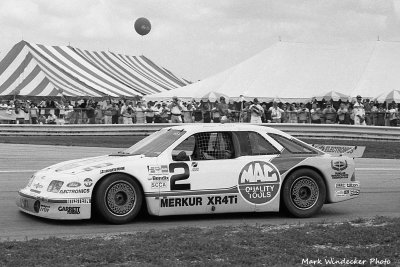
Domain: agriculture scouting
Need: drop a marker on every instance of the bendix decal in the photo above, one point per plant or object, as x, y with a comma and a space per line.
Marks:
259, 182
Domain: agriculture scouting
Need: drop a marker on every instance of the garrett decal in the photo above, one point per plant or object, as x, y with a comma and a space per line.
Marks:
88, 182
259, 182
157, 170
70, 210
75, 191
159, 182
112, 170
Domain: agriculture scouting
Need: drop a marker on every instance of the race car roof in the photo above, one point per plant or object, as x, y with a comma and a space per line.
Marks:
227, 127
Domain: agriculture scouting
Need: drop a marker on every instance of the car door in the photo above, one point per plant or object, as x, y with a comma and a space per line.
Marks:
260, 180
204, 179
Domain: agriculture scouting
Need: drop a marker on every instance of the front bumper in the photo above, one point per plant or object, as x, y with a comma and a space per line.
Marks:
59, 209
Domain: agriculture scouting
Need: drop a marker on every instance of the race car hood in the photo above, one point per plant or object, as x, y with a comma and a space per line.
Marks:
78, 166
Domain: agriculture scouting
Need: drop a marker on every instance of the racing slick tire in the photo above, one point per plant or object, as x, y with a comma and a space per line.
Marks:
118, 198
303, 193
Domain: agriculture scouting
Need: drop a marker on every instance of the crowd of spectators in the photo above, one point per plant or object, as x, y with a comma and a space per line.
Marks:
89, 111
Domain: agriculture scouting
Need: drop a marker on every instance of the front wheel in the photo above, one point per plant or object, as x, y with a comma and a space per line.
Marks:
118, 199
303, 193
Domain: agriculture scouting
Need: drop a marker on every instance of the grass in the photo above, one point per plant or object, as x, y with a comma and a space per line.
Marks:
259, 245
374, 149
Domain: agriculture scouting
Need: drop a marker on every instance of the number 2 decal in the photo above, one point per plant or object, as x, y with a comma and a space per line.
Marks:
177, 177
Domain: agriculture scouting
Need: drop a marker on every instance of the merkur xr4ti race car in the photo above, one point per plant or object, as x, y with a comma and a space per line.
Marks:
194, 169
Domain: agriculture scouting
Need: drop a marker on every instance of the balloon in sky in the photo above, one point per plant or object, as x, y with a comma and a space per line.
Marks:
142, 26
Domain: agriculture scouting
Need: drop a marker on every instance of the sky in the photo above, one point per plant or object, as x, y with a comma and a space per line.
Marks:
195, 38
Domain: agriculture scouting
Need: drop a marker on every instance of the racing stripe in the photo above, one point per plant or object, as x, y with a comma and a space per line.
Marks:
194, 192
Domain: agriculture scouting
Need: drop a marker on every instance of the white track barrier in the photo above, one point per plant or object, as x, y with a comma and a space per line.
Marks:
320, 131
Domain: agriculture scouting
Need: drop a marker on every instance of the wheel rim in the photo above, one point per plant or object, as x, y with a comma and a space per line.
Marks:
304, 193
120, 198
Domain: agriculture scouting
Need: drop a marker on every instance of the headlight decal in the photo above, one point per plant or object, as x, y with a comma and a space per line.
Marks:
55, 186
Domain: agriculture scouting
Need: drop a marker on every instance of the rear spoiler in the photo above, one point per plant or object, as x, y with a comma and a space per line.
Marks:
338, 150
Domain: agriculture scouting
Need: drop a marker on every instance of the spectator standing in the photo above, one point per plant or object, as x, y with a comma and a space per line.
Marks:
108, 113
393, 114
256, 112
276, 113
140, 112
206, 112
342, 111
315, 114
359, 112
374, 114
329, 114
127, 115
149, 113
381, 115
90, 112
368, 114
164, 113
292, 113
303, 114
176, 110
34, 113
187, 113
157, 113
285, 114
98, 114
197, 113
114, 113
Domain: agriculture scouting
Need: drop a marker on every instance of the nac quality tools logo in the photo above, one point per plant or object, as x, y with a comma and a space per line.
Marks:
259, 182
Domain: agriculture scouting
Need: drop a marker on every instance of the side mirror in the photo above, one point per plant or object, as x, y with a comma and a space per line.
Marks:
182, 156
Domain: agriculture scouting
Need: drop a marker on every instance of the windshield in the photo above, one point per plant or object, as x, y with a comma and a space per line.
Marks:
154, 144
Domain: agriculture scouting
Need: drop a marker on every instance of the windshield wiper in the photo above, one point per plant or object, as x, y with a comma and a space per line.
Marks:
121, 154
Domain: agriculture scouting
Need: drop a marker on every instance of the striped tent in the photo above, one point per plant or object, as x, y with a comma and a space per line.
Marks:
37, 70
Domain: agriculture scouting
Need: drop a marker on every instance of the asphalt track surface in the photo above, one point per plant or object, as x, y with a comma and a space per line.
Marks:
380, 196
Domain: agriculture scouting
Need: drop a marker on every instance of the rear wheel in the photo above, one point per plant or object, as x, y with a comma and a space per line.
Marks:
303, 193
118, 199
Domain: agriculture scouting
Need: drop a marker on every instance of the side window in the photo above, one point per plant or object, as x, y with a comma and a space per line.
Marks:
260, 146
212, 146
253, 144
187, 146
291, 146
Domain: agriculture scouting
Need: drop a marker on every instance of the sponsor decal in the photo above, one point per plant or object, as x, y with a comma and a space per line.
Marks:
259, 182
342, 193
70, 210
35, 191
198, 201
78, 200
73, 184
112, 170
37, 186
158, 185
44, 208
354, 192
88, 182
339, 166
157, 169
347, 185
195, 167
75, 191
159, 181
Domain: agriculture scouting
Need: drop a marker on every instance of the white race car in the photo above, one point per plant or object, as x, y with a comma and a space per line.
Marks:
194, 169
